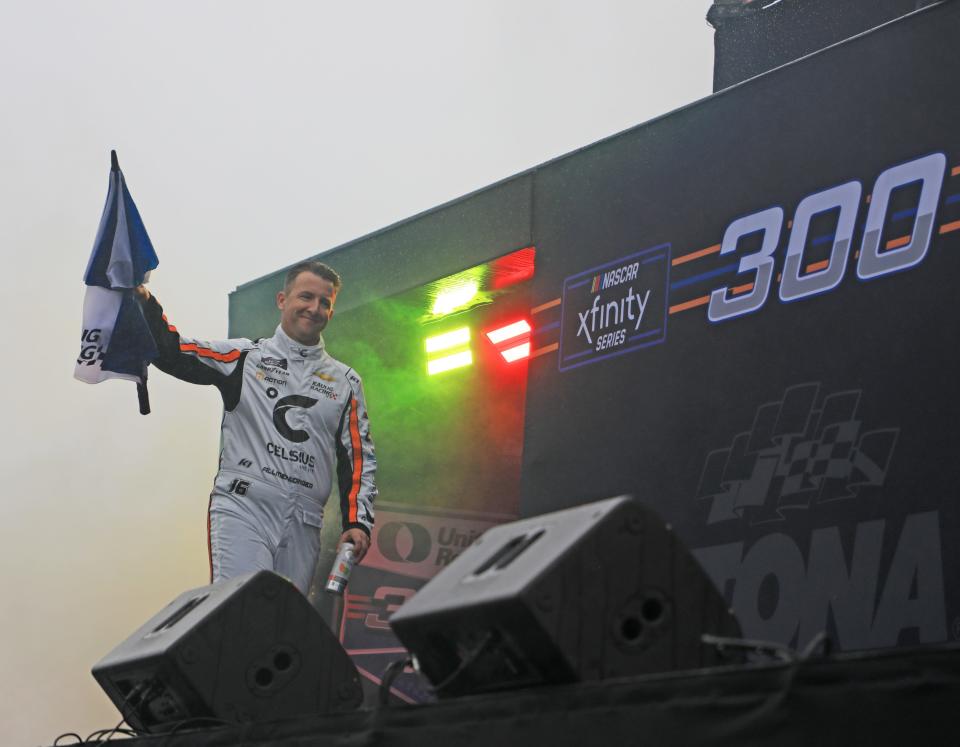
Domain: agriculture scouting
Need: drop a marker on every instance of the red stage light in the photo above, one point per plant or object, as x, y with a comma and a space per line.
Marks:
508, 332
516, 267
516, 336
516, 353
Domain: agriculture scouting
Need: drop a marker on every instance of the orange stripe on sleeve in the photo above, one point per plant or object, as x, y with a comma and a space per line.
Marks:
210, 538
357, 461
208, 353
169, 326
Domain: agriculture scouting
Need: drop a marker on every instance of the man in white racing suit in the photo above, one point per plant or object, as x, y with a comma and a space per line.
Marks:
290, 413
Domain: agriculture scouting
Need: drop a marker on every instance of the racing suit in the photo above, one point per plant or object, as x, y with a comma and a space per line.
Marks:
290, 412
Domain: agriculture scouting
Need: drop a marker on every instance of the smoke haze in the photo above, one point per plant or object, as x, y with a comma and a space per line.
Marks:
251, 135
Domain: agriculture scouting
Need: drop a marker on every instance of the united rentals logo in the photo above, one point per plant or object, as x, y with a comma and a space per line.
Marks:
795, 455
616, 308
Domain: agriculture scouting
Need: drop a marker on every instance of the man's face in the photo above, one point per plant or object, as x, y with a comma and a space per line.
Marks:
306, 307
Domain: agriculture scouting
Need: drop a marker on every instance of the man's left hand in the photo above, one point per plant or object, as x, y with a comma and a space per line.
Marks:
360, 540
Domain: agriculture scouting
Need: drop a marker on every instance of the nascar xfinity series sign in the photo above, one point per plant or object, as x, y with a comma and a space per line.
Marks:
616, 308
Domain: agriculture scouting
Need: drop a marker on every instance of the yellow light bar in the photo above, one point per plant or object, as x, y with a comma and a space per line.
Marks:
517, 353
511, 330
447, 340
448, 362
453, 298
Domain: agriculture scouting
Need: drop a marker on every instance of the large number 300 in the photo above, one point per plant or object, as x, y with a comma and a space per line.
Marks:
794, 283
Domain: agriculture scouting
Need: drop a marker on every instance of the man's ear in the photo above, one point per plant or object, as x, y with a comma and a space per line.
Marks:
281, 298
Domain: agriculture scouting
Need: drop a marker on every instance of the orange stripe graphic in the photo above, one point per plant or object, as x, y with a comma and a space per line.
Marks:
208, 353
357, 461
818, 266
696, 255
692, 304
545, 306
948, 227
545, 349
902, 241
704, 300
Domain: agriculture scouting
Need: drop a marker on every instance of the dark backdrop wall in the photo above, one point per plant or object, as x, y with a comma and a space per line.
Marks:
744, 313
754, 36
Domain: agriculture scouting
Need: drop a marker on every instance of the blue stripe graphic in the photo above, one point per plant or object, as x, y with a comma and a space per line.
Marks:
900, 214
705, 276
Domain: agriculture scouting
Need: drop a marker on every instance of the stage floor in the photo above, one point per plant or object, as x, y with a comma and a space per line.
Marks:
894, 697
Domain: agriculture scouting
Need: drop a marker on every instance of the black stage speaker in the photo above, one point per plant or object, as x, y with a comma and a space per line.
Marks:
249, 648
598, 591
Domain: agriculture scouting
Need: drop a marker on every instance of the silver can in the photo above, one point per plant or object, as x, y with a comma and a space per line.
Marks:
340, 572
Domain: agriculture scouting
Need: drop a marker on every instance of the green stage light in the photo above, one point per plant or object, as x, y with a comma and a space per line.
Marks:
450, 299
454, 338
449, 362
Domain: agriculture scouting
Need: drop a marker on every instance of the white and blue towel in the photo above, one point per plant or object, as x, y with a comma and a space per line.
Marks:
115, 342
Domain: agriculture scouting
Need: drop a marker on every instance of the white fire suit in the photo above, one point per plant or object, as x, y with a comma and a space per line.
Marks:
290, 412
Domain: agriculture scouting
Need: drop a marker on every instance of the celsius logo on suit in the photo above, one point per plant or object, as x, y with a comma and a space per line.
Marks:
280, 411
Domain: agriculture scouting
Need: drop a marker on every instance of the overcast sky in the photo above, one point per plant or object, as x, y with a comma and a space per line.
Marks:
251, 135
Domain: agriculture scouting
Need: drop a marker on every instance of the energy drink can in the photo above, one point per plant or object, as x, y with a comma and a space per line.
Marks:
340, 572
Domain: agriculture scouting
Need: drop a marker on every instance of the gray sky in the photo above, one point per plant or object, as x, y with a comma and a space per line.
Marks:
251, 135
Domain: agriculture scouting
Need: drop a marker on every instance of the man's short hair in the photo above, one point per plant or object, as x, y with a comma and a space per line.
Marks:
317, 268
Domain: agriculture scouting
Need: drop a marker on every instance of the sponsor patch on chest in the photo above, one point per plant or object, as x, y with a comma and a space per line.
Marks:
325, 389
